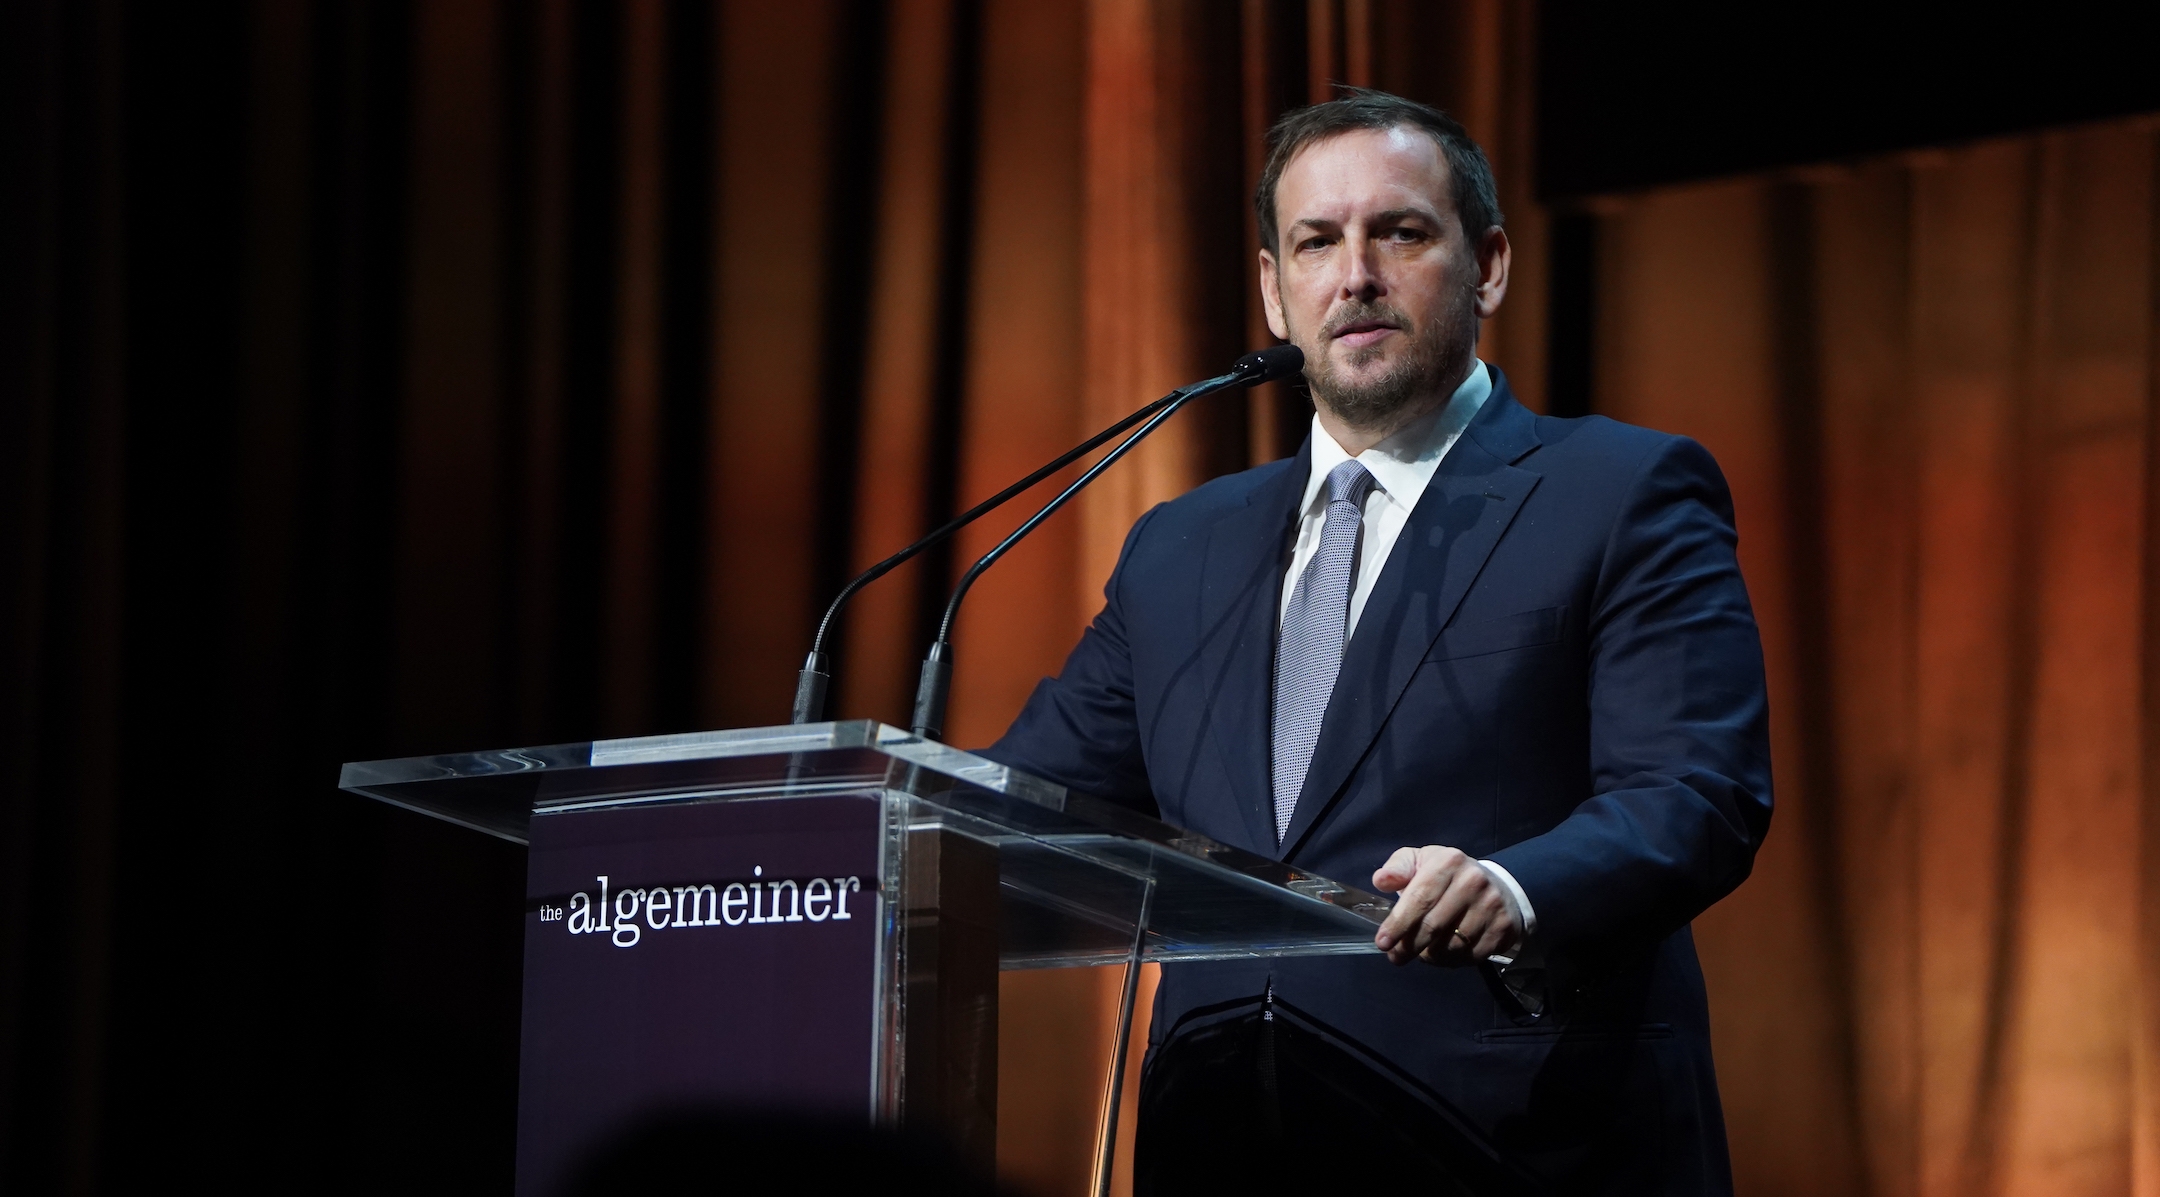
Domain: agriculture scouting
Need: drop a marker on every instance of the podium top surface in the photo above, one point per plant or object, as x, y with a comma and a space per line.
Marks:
1077, 874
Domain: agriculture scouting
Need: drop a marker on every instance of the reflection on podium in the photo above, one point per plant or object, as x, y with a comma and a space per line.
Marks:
808, 923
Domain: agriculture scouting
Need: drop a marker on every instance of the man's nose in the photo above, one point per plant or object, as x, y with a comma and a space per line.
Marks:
1360, 280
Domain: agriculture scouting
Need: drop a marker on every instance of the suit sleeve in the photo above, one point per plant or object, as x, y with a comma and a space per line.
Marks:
1679, 726
1080, 728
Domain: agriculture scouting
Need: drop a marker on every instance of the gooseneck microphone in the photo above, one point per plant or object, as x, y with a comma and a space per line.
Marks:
815, 678
1265, 365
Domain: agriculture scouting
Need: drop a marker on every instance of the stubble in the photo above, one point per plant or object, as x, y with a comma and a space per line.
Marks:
1438, 356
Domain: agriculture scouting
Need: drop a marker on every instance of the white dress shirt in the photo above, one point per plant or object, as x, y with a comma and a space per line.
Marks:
1401, 466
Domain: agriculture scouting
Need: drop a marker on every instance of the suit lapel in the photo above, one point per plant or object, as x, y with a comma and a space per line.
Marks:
1241, 590
1465, 510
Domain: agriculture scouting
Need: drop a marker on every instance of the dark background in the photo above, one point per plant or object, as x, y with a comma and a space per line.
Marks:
1633, 96
212, 964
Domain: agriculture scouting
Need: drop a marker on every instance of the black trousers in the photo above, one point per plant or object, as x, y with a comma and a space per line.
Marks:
1267, 1100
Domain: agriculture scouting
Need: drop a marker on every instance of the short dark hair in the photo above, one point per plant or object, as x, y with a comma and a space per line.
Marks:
1477, 203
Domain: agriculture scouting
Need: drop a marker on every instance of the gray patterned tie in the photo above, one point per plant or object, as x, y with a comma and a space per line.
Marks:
1314, 629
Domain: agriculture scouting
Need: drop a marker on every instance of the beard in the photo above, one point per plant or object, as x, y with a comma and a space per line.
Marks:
1437, 357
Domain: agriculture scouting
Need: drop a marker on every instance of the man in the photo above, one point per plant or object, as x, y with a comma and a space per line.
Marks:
1507, 661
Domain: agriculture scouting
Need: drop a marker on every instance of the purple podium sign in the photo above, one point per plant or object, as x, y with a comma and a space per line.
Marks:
704, 954
811, 919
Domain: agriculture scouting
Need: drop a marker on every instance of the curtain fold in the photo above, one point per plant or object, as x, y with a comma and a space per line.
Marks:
397, 378
389, 378
1930, 380
1174, 147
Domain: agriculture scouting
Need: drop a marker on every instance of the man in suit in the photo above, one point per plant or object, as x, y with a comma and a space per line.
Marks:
1502, 664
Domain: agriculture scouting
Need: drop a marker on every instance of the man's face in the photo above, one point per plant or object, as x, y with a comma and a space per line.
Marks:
1373, 277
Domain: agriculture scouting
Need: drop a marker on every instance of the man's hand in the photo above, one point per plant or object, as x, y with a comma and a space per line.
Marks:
1451, 911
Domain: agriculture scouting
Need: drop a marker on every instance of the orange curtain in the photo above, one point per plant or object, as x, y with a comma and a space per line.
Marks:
1931, 381
939, 241
469, 373
1179, 98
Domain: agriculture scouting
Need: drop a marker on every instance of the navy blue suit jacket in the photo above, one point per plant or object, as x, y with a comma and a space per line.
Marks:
1557, 669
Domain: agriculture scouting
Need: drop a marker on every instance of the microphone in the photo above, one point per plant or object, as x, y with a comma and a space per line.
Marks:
815, 678
935, 687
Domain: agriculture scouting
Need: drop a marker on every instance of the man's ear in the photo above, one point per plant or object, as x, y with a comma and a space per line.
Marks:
1493, 257
1271, 295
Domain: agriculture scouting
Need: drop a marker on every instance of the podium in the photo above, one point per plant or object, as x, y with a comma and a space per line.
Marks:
811, 919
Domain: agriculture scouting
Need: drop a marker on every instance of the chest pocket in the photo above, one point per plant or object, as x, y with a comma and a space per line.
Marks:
1524, 629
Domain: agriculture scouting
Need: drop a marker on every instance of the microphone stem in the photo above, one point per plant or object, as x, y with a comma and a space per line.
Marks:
936, 682
981, 509
952, 606
814, 679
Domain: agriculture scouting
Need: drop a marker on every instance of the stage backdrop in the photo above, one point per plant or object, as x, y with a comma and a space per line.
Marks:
1931, 380
387, 378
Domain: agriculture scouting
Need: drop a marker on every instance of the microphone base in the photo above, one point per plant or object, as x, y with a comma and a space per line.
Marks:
932, 692
810, 687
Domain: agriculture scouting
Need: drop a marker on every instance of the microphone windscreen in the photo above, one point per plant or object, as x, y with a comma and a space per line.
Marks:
1267, 365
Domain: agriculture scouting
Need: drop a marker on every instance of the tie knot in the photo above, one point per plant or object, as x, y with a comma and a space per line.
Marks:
1348, 482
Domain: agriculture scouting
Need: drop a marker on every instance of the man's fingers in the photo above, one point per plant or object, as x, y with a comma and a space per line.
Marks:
1418, 895
1435, 869
1397, 872
1436, 931
1481, 929
1443, 893
1495, 936
1501, 927
1441, 918
1403, 920
1468, 922
1487, 927
1451, 913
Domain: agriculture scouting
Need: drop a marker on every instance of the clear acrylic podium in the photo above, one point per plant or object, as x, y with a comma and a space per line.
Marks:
812, 919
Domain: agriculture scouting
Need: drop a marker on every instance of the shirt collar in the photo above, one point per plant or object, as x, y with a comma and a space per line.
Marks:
1404, 463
